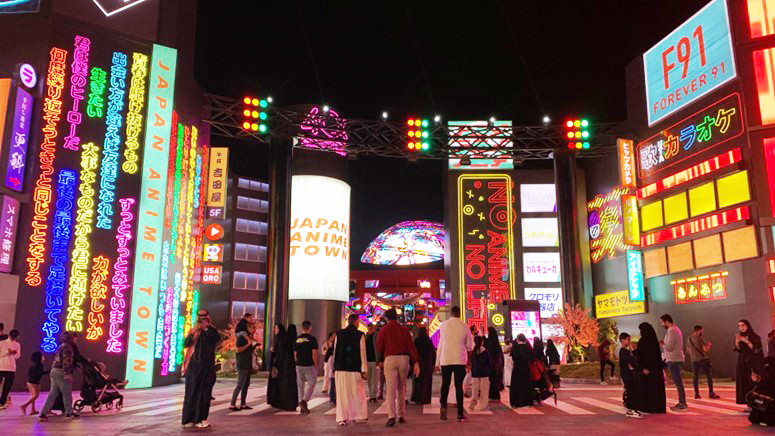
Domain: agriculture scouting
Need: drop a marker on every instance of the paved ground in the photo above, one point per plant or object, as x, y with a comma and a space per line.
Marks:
581, 409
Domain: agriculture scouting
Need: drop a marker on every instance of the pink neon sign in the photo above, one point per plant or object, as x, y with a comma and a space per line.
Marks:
120, 278
78, 80
329, 125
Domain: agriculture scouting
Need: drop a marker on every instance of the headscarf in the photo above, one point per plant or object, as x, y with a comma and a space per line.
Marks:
749, 331
648, 347
551, 352
538, 349
493, 345
756, 341
279, 338
423, 343
291, 336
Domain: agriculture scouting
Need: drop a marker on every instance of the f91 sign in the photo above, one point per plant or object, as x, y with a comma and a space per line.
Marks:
693, 60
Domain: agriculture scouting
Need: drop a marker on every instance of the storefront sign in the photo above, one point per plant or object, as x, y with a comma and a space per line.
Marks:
214, 232
626, 149
550, 299
213, 253
27, 75
540, 232
541, 267
617, 304
690, 62
486, 217
606, 230
706, 287
211, 274
635, 275
631, 220
216, 181
9, 217
538, 198
20, 135
469, 135
705, 129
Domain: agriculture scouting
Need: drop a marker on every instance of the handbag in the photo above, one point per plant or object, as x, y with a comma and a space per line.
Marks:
758, 400
274, 372
706, 358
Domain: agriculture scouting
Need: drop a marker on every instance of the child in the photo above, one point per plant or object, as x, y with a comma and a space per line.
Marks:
34, 374
629, 371
480, 373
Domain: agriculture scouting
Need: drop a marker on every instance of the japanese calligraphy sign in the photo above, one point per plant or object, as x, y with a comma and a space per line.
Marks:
701, 288
606, 231
627, 174
20, 134
705, 129
635, 275
486, 218
9, 218
549, 298
617, 304
690, 62
216, 185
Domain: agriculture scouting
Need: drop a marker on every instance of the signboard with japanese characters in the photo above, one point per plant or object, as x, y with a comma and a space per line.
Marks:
216, 182
541, 267
20, 132
705, 129
705, 287
617, 304
9, 218
635, 275
606, 228
549, 298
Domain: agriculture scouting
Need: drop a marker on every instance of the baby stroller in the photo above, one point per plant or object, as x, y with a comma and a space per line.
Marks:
99, 388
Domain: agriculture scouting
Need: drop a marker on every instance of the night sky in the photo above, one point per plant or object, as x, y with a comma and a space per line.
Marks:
514, 60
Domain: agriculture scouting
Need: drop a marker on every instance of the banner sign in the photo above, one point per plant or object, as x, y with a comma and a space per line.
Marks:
549, 298
706, 287
9, 218
705, 129
626, 149
617, 304
606, 230
690, 62
20, 135
631, 219
635, 275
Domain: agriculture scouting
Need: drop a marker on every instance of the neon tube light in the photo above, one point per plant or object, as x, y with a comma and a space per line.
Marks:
168, 206
176, 191
134, 116
79, 69
52, 109
161, 343
114, 121
98, 291
769, 161
57, 271
696, 226
97, 82
176, 324
188, 271
713, 164
120, 281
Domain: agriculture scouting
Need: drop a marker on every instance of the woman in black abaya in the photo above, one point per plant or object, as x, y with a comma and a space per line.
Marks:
493, 346
281, 391
750, 358
423, 385
652, 382
521, 392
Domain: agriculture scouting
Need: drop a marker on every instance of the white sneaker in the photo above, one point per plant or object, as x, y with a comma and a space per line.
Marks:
603, 384
203, 424
633, 414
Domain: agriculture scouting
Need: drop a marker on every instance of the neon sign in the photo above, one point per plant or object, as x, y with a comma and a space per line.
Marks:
327, 131
120, 280
486, 219
706, 287
696, 226
97, 292
188, 272
134, 116
626, 162
109, 168
713, 164
707, 128
79, 69
635, 275
9, 218
606, 231
80, 255
57, 271
52, 108
97, 81
17, 154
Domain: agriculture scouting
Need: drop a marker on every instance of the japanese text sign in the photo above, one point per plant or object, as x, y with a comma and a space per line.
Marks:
605, 225
541, 267
626, 149
9, 218
549, 298
216, 185
635, 275
690, 62
701, 288
617, 304
631, 219
20, 134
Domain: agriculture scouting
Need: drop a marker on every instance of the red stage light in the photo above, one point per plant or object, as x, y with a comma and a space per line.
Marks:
411, 145
246, 112
571, 145
410, 122
569, 123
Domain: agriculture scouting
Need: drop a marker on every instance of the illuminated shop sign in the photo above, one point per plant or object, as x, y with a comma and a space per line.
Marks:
537, 198
486, 218
470, 135
690, 62
696, 226
631, 220
211, 274
320, 233
635, 275
540, 232
627, 174
216, 181
705, 287
5, 91
19, 6
541, 267
706, 167
617, 304
20, 135
9, 217
606, 231
549, 298
716, 124
326, 131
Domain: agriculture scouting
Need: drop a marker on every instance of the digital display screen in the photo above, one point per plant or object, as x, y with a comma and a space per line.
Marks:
526, 323
538, 198
540, 232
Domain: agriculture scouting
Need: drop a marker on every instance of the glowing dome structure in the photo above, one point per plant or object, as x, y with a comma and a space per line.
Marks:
407, 243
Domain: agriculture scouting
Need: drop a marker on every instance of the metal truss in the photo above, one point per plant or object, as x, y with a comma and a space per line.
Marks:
311, 128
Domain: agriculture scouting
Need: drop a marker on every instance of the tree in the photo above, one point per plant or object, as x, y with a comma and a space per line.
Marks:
580, 330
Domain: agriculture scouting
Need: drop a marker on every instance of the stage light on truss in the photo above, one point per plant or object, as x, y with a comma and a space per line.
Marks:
255, 115
384, 115
577, 131
418, 132
437, 119
546, 119
326, 108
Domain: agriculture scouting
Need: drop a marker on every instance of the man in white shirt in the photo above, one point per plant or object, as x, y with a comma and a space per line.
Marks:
455, 342
673, 346
10, 350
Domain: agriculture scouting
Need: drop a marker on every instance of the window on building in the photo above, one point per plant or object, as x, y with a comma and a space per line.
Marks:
253, 185
249, 281
243, 183
247, 252
252, 204
252, 226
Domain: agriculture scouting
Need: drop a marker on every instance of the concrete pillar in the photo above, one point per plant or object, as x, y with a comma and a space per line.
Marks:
570, 259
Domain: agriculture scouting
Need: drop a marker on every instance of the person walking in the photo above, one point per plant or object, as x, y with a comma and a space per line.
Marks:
61, 377
553, 357
34, 375
371, 362
508, 363
10, 351
481, 369
422, 386
604, 356
455, 342
673, 344
396, 347
698, 348
771, 343
281, 389
629, 369
651, 386
306, 353
199, 370
521, 392
328, 369
750, 358
493, 346
350, 372
245, 345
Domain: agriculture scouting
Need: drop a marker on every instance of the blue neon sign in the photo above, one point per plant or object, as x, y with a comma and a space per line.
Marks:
635, 275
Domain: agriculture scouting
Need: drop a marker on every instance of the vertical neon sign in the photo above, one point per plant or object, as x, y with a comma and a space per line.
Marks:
150, 218
79, 70
98, 291
97, 82
120, 277
188, 271
134, 117
52, 109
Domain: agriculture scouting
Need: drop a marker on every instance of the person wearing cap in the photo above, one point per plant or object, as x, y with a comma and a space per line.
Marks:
199, 370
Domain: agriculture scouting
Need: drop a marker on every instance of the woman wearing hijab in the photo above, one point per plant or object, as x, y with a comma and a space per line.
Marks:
496, 362
553, 356
652, 383
750, 358
281, 390
422, 385
521, 393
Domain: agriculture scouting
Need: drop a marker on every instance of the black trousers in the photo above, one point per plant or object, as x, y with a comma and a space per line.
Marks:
630, 396
7, 381
603, 363
446, 377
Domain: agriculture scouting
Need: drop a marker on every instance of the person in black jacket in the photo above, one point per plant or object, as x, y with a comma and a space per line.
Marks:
481, 369
34, 375
750, 359
553, 356
763, 412
651, 385
630, 371
199, 370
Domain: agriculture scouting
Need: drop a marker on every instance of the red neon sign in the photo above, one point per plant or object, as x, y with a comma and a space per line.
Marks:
769, 161
696, 226
713, 164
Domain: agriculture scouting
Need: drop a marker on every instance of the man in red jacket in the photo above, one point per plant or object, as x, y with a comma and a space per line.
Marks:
395, 346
